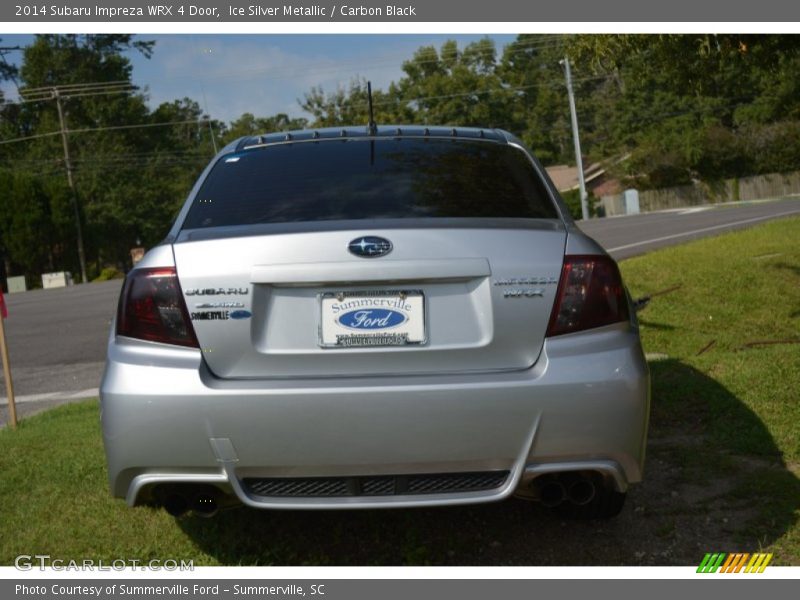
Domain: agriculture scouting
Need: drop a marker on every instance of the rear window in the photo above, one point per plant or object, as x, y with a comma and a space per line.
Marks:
363, 179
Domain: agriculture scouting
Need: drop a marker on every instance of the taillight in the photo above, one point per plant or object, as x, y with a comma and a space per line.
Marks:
590, 294
152, 308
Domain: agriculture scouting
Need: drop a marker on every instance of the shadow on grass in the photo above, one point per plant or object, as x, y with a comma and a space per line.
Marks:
795, 269
658, 326
715, 481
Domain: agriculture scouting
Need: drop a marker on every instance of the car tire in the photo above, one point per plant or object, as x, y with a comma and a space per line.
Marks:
606, 504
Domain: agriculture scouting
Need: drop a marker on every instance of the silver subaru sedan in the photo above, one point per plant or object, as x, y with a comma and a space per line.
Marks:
379, 317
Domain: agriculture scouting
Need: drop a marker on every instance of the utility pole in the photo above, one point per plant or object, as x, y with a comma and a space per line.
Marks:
12, 408
71, 182
576, 139
66, 92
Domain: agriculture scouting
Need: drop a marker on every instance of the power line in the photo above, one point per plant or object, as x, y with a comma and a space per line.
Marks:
102, 158
650, 119
73, 90
109, 128
30, 137
60, 93
139, 126
102, 88
70, 87
416, 99
69, 91
553, 84
543, 41
405, 101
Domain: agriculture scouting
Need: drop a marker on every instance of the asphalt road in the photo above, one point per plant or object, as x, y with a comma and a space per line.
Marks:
57, 343
57, 338
628, 236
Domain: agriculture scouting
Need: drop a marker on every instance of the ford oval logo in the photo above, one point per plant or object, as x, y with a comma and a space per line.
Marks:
370, 246
373, 318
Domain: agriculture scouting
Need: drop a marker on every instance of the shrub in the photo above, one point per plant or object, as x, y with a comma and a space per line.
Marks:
109, 273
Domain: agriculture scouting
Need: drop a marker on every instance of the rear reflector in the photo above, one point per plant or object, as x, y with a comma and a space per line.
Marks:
151, 308
590, 294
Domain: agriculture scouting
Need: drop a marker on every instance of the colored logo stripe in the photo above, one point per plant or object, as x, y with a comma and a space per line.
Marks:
734, 563
758, 563
710, 563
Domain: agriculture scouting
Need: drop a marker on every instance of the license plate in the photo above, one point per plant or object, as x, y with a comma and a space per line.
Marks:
358, 319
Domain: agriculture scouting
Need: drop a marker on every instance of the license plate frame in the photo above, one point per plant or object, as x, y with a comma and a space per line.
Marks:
411, 304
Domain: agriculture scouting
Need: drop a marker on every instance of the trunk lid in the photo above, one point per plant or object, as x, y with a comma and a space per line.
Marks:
479, 299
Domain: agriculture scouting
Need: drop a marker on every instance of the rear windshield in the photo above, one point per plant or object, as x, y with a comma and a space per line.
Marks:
363, 179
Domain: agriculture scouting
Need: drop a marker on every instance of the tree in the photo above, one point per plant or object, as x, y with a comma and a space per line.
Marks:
248, 124
59, 60
454, 87
349, 106
540, 110
446, 87
26, 222
679, 104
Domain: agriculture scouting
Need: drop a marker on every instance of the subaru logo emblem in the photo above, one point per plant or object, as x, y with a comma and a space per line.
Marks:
370, 246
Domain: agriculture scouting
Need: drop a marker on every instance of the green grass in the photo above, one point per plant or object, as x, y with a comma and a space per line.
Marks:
54, 496
743, 403
725, 425
736, 288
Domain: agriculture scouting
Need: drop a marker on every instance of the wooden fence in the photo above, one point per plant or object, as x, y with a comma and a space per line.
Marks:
757, 187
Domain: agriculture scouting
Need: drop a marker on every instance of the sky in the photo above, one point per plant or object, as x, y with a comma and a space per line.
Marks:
263, 74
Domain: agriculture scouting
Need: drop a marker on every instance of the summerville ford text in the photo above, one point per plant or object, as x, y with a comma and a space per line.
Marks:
174, 589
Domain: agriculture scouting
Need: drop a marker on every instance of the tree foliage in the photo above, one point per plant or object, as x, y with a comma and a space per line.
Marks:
248, 124
690, 107
448, 86
661, 109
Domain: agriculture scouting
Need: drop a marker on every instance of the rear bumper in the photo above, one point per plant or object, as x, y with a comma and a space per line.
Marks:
583, 406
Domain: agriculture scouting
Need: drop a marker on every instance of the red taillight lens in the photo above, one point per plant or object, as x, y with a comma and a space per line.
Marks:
590, 294
152, 308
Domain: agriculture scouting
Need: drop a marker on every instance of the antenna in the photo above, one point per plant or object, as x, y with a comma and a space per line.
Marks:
372, 127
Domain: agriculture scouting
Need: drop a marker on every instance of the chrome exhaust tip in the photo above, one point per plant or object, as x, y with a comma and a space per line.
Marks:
205, 505
552, 493
581, 491
175, 504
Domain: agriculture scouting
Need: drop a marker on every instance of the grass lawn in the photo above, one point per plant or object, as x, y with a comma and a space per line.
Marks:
726, 409
734, 290
722, 472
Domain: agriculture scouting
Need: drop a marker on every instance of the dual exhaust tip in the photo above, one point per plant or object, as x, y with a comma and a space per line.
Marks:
203, 504
575, 488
